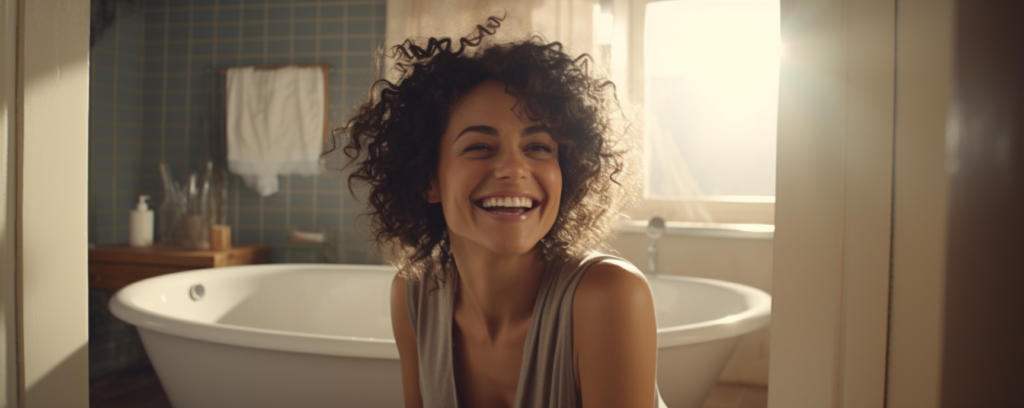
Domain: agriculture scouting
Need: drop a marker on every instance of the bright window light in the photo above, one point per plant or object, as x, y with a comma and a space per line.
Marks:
711, 95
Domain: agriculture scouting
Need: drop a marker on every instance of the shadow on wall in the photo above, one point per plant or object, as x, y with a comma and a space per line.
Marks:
51, 389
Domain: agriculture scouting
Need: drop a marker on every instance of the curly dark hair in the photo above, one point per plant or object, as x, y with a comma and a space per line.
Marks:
393, 142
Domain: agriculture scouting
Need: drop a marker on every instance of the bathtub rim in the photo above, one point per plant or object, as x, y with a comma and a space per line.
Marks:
755, 317
246, 336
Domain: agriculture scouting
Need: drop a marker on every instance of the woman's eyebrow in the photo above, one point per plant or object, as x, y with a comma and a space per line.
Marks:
490, 131
487, 130
535, 129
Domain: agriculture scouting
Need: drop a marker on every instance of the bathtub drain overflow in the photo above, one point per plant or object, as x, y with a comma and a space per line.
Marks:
196, 292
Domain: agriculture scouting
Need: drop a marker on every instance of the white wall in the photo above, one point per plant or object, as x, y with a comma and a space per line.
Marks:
833, 204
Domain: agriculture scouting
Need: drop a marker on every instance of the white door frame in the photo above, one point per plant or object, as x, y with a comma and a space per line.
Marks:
50, 176
861, 203
833, 204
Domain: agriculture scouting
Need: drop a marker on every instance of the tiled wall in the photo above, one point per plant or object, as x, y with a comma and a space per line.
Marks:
182, 45
115, 126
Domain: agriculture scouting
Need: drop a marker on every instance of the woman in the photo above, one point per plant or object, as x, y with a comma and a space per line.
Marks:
494, 170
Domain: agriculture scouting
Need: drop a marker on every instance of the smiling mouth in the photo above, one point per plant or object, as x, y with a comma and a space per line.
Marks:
507, 207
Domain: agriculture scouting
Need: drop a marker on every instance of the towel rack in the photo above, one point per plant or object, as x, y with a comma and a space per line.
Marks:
327, 92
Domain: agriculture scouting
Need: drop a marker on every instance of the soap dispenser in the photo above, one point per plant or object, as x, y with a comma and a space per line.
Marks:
140, 225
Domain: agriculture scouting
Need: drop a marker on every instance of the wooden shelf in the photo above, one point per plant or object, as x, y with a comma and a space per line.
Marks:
115, 266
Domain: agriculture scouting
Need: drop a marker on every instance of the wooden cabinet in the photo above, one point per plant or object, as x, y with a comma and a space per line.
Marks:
115, 266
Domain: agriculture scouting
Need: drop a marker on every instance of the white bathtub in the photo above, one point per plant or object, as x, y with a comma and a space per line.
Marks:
320, 335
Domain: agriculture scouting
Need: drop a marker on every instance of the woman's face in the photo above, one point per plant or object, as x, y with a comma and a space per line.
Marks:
498, 179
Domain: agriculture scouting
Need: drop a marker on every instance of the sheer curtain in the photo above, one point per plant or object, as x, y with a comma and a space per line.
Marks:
567, 21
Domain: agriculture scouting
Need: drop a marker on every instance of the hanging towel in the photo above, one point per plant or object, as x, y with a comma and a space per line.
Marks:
275, 124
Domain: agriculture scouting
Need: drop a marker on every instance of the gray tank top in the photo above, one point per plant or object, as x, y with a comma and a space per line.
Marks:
546, 377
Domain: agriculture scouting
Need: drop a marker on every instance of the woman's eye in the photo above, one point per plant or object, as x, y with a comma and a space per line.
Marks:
539, 148
477, 147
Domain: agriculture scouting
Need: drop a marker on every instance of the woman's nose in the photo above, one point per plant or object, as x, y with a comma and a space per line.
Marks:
511, 165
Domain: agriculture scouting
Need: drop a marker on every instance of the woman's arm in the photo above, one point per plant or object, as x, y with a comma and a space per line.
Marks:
615, 337
406, 340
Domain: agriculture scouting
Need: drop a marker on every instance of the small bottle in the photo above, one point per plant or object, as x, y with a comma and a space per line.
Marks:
140, 225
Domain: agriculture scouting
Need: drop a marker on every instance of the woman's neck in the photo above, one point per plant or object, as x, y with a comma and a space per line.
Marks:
496, 290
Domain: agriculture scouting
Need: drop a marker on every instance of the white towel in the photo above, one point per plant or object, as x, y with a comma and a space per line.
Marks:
275, 124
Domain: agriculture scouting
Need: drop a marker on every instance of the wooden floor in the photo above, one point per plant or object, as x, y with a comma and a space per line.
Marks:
132, 389
726, 395
141, 389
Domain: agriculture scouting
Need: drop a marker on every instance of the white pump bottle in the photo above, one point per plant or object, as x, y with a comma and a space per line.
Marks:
140, 225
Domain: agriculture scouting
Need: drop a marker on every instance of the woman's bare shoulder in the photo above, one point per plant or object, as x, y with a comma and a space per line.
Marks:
398, 288
614, 336
611, 280
611, 293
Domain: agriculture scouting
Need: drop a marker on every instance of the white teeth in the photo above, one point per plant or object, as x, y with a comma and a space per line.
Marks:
508, 202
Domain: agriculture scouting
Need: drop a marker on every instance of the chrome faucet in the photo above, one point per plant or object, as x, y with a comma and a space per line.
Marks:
655, 229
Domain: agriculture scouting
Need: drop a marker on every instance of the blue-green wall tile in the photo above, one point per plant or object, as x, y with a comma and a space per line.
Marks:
360, 10
178, 32
305, 12
203, 16
227, 47
305, 29
249, 217
154, 16
301, 182
279, 46
335, 11
254, 14
202, 33
301, 220
359, 27
178, 49
279, 29
275, 234
179, 16
253, 31
301, 201
327, 220
276, 200
303, 45
279, 13
227, 15
252, 47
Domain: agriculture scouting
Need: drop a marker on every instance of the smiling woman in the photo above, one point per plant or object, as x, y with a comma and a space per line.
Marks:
487, 172
494, 171
396, 139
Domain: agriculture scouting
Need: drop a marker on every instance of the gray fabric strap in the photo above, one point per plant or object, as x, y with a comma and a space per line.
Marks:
430, 309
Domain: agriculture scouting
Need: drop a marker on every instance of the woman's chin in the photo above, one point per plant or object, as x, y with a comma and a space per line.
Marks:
512, 248
498, 243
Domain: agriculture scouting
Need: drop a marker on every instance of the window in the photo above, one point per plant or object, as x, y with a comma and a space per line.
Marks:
706, 72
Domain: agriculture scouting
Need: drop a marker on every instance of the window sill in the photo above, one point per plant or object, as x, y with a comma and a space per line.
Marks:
703, 229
